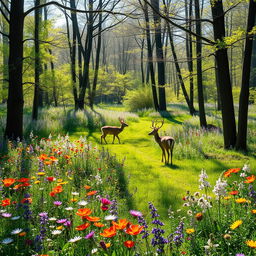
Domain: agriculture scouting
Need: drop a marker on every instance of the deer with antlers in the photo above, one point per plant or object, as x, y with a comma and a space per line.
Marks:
114, 130
166, 143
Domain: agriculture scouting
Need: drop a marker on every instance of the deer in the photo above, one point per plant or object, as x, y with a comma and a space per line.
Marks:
166, 143
114, 130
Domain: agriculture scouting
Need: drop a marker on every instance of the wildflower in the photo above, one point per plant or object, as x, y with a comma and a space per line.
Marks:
240, 254
121, 224
91, 193
15, 218
90, 235
57, 189
241, 200
6, 215
82, 203
105, 201
129, 244
82, 227
234, 170
210, 245
22, 233
134, 229
110, 217
236, 224
135, 213
51, 179
199, 216
75, 239
69, 208
92, 219
43, 222
23, 180
178, 238
41, 173
190, 231
251, 243
234, 192
57, 203
143, 223
204, 203
227, 236
98, 224
250, 179
87, 187
56, 232
61, 221
253, 211
7, 241
109, 232
16, 231
6, 202
202, 179
75, 193
83, 212
220, 188
8, 182
104, 245
26, 200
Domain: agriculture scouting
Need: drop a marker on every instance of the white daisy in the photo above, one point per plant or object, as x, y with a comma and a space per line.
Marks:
111, 217
7, 240
15, 218
82, 203
75, 193
75, 239
56, 232
69, 209
16, 231
94, 250
52, 219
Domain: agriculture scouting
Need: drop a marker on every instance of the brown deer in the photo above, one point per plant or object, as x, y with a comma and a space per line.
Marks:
114, 130
166, 143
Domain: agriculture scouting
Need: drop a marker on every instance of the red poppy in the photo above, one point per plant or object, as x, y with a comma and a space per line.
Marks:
129, 244
234, 170
234, 192
6, 202
52, 194
57, 189
23, 180
50, 179
27, 200
43, 157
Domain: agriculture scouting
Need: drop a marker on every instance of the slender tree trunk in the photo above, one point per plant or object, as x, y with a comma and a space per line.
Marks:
97, 64
241, 142
200, 90
225, 89
150, 58
14, 123
142, 62
38, 66
54, 88
160, 56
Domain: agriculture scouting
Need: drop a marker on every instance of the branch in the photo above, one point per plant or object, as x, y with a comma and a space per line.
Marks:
2, 33
4, 15
77, 10
4, 5
178, 26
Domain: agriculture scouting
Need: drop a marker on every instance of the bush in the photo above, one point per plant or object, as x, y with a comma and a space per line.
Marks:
139, 99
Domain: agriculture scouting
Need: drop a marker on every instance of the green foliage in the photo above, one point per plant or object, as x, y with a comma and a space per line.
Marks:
139, 99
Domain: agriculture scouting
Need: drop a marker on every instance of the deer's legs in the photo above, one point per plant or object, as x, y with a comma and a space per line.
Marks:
103, 136
118, 139
113, 139
171, 156
168, 153
163, 155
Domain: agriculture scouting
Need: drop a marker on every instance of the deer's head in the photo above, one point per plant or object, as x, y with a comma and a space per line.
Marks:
155, 127
122, 122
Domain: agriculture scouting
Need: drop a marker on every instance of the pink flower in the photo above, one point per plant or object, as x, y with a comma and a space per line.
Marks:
90, 235
135, 213
57, 203
105, 201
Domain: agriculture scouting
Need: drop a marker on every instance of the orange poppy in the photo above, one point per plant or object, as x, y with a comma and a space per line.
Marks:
22, 233
109, 232
47, 162
83, 212
57, 189
234, 170
67, 157
122, 224
235, 192
6, 202
23, 180
50, 179
98, 224
43, 157
134, 229
82, 227
53, 159
8, 182
129, 244
91, 193
250, 179
87, 187
227, 174
17, 186
27, 200
92, 219
199, 216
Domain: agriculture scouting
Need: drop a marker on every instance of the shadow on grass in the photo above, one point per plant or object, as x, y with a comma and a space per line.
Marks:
167, 115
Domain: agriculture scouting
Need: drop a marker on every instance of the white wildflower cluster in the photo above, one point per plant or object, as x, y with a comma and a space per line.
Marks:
245, 170
203, 203
98, 179
203, 180
220, 188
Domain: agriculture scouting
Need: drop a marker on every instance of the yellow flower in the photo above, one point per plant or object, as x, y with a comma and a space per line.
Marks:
59, 227
236, 224
253, 211
241, 200
37, 182
62, 183
190, 230
251, 243
41, 173
73, 200
59, 180
227, 197
33, 177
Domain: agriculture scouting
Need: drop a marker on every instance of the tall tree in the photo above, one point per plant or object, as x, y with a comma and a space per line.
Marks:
14, 123
241, 142
200, 90
225, 89
159, 55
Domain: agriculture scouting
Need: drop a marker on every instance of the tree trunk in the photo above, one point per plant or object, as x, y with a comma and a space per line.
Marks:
200, 90
97, 64
14, 123
38, 66
150, 58
54, 89
160, 56
225, 89
241, 142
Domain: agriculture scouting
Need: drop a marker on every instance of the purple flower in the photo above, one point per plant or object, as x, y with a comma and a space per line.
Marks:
143, 223
240, 254
136, 213
61, 221
6, 215
90, 235
68, 223
113, 208
57, 203
43, 222
178, 234
43, 214
105, 201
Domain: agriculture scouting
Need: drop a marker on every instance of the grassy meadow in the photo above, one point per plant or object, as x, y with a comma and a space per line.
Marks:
63, 193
